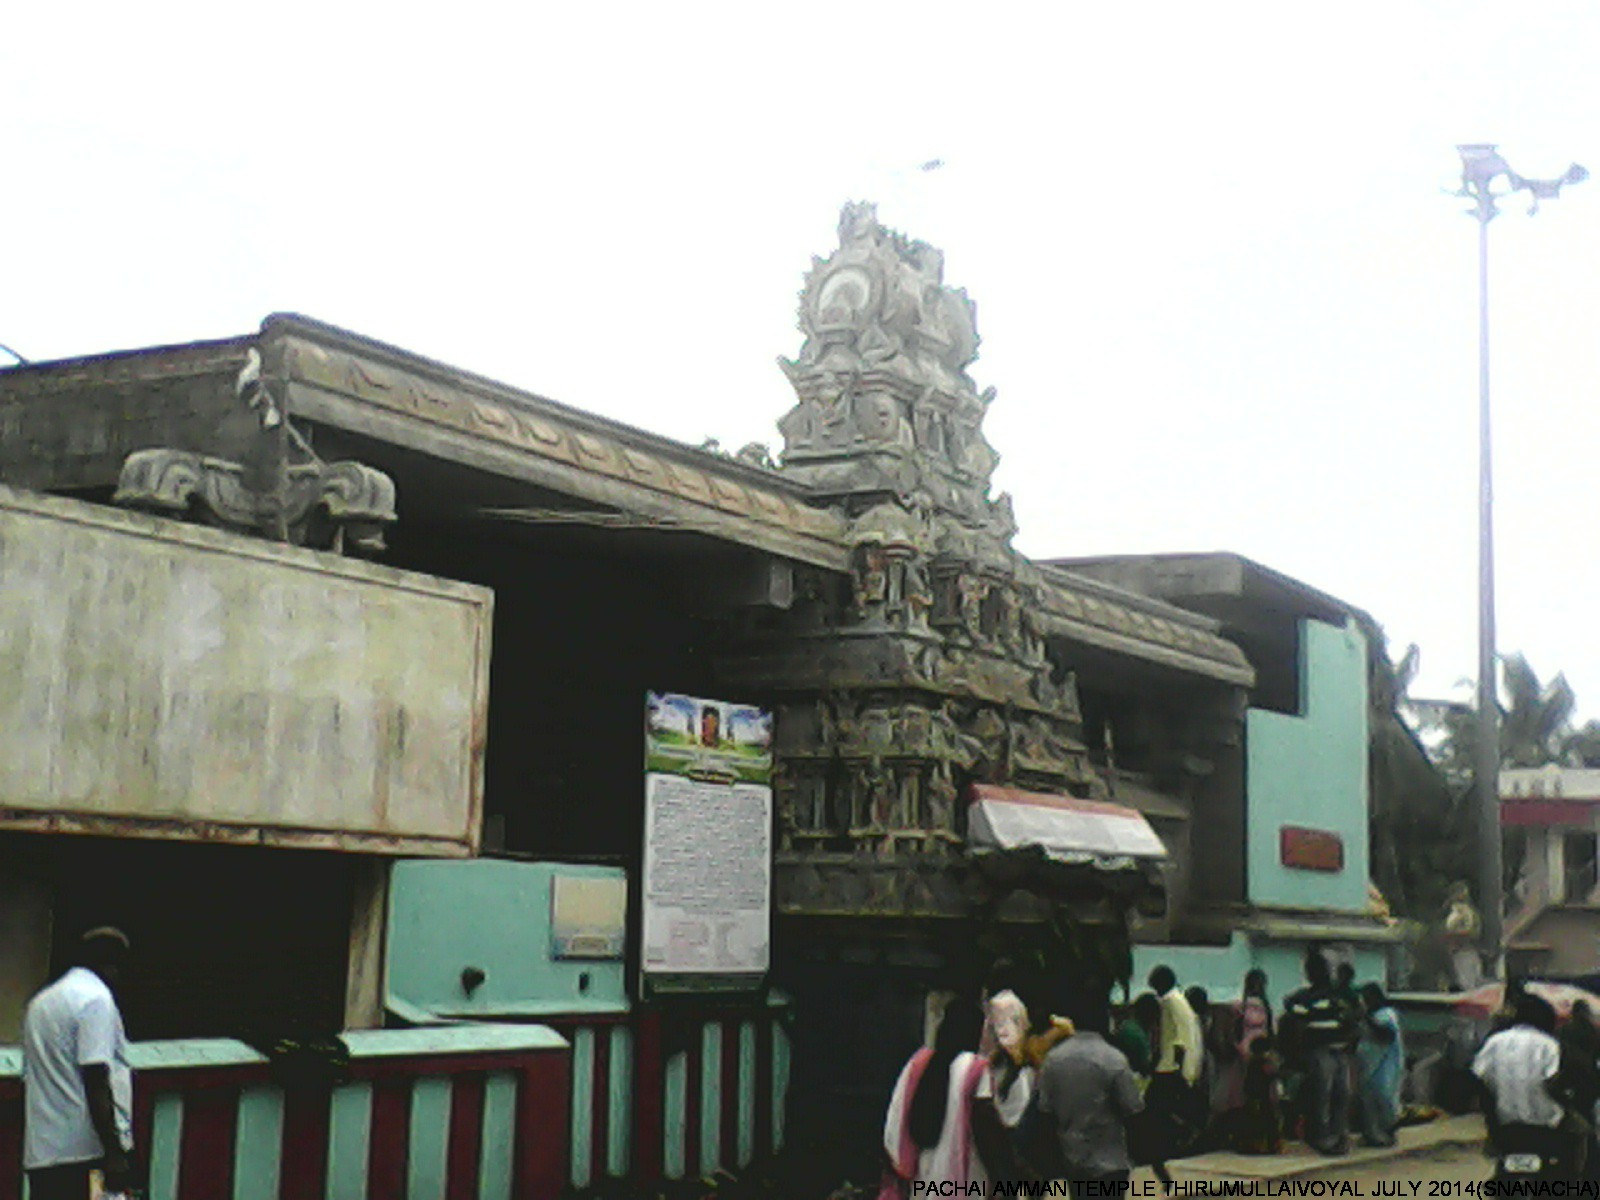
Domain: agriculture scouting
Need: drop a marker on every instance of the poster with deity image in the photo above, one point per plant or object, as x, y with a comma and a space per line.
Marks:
707, 885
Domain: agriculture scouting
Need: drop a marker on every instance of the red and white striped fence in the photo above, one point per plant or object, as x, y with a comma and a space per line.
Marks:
464, 1112
457, 1112
675, 1094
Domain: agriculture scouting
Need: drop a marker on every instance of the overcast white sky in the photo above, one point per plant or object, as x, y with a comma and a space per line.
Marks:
1222, 294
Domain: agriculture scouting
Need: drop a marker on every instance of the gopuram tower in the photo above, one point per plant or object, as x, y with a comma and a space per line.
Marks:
900, 684
925, 670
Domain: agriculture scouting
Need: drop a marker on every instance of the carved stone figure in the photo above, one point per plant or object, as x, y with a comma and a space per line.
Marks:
1004, 517
870, 577
332, 506
971, 591
918, 594
941, 798
878, 420
907, 814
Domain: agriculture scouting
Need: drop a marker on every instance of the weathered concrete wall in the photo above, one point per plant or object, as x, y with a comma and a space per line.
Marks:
1573, 938
68, 426
170, 681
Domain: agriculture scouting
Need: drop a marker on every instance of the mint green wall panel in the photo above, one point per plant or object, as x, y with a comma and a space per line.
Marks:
349, 1140
619, 1121
582, 1147
1221, 969
1218, 969
710, 1097
166, 1139
675, 1089
258, 1144
427, 1159
780, 1083
499, 1148
493, 915
1311, 771
747, 1093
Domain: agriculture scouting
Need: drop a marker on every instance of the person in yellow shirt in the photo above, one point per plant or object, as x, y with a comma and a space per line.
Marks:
1179, 1047
1179, 1057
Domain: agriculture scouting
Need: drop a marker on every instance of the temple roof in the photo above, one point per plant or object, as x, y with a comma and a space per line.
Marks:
384, 394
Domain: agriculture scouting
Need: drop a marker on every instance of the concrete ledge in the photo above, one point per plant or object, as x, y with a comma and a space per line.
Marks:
1301, 1161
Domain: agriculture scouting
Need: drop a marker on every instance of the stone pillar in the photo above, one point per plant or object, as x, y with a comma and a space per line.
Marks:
369, 911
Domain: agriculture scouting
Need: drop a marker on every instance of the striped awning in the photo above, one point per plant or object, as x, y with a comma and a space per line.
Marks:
1066, 828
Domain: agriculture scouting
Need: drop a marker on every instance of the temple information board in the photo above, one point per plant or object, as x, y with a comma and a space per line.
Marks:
707, 887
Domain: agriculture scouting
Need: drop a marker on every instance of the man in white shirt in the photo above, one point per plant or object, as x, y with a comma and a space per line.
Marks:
77, 1088
1518, 1068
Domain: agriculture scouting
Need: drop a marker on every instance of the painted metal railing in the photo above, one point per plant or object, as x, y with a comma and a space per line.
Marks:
457, 1112
675, 1093
461, 1112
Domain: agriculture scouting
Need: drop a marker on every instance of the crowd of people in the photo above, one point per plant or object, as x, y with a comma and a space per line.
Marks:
1015, 1087
1540, 1076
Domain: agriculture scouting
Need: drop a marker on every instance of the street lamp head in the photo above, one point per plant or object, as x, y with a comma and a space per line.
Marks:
1481, 165
1548, 189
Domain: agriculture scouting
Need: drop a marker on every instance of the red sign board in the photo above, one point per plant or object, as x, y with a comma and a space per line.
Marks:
1310, 849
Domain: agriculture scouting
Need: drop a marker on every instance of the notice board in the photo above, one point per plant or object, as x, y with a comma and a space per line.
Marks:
706, 899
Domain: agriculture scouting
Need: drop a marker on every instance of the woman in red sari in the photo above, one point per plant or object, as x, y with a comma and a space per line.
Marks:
928, 1131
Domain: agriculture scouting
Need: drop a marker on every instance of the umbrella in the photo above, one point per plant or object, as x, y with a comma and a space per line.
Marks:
1486, 1000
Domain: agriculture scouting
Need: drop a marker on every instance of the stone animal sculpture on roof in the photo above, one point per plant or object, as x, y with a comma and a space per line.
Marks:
279, 488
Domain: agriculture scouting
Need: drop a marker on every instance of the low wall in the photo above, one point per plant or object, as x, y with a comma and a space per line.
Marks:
1221, 969
461, 1111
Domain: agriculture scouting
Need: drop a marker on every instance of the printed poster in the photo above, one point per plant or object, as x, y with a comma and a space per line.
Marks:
707, 886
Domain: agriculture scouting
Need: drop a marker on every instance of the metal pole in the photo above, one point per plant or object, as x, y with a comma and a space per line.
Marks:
1490, 871
1481, 165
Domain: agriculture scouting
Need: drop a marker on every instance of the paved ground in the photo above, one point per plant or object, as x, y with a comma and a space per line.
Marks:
1441, 1164
1454, 1164
1448, 1150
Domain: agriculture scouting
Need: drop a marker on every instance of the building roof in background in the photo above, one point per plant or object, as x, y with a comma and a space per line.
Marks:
1550, 782
1219, 583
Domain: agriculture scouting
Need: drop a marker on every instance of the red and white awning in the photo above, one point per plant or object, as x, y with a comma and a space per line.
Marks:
1066, 828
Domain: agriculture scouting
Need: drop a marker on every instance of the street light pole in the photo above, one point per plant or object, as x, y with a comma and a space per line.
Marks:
1481, 165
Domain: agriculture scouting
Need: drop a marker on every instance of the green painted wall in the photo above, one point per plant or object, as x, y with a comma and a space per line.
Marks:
1308, 770
1218, 969
1311, 770
1221, 969
493, 915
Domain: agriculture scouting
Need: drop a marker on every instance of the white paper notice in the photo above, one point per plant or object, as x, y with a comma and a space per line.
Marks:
707, 876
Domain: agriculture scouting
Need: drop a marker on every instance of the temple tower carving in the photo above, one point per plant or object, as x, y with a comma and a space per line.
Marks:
925, 670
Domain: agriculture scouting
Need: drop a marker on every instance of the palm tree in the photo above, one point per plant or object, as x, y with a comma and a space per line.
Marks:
1582, 748
1536, 719
1535, 724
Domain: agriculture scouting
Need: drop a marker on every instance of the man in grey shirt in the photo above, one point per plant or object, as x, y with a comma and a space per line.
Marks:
1088, 1091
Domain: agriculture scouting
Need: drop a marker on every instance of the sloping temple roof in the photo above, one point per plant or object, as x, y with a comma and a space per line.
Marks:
558, 455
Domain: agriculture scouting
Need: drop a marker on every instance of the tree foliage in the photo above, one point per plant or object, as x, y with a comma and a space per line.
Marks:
1535, 725
1420, 826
